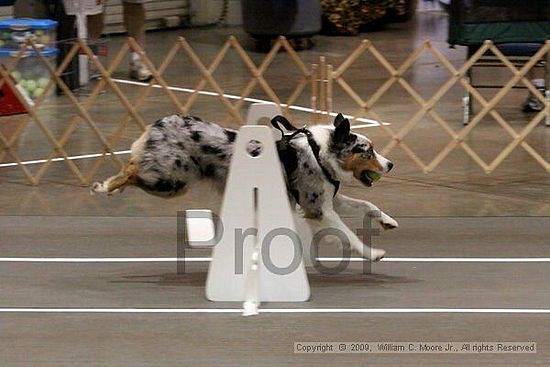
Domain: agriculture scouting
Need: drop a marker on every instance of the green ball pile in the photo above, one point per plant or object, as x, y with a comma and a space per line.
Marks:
34, 87
12, 39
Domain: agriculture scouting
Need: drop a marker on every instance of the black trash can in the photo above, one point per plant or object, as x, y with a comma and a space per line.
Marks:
264, 20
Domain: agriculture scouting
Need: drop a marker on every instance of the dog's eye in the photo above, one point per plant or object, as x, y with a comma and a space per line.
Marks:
368, 154
360, 149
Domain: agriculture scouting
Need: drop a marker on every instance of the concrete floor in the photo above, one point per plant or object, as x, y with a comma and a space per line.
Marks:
138, 339
456, 211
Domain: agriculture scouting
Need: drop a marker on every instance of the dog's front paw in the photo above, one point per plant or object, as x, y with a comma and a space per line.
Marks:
374, 254
388, 222
98, 188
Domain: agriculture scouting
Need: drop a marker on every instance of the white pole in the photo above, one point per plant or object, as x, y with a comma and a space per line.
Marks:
82, 31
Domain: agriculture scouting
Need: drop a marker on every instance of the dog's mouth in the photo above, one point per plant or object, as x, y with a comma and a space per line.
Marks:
368, 177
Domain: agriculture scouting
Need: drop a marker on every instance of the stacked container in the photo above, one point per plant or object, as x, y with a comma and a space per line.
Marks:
30, 73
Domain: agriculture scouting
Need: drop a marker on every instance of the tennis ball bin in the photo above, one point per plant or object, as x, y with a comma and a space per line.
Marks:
30, 73
14, 32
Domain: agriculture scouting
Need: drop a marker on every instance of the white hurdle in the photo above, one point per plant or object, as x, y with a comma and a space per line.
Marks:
259, 257
260, 110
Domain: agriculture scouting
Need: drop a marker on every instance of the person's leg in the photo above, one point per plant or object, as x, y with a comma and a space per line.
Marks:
134, 21
532, 103
95, 26
30, 9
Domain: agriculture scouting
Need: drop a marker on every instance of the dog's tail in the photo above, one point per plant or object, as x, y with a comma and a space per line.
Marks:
127, 176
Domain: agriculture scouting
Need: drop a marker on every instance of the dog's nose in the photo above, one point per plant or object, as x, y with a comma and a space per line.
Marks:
390, 166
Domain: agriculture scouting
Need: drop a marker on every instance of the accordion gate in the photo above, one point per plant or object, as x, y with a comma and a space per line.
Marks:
321, 78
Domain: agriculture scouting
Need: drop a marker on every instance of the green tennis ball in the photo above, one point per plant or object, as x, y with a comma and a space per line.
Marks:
45, 39
42, 82
37, 92
16, 75
31, 85
375, 176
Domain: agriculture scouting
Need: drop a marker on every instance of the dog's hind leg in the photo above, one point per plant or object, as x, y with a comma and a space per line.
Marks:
117, 183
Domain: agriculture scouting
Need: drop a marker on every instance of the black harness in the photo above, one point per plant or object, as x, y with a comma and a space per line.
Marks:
287, 153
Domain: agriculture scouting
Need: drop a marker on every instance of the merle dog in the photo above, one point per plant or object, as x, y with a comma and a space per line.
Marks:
177, 151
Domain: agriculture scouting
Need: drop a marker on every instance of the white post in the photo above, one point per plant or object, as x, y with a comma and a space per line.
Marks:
81, 9
82, 32
266, 265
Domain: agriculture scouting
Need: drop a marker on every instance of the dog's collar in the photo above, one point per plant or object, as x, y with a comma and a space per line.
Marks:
315, 149
312, 144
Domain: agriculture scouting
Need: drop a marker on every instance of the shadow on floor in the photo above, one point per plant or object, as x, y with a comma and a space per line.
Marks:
315, 279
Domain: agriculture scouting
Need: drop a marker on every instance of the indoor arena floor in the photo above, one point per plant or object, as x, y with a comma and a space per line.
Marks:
57, 310
92, 281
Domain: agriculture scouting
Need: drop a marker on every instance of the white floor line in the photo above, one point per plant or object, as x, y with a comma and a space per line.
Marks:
74, 157
281, 310
368, 122
469, 259
207, 259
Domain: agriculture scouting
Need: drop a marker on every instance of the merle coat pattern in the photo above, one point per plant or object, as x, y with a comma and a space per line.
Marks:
177, 151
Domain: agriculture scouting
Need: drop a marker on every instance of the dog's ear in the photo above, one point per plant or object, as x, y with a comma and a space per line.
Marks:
341, 127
